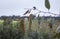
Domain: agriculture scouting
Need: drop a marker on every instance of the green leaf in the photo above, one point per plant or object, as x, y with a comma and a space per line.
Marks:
47, 4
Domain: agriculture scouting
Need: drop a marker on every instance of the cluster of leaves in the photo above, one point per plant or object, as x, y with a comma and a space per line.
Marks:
18, 33
10, 34
7, 31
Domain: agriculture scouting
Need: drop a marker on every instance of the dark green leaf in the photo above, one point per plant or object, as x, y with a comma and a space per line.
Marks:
47, 4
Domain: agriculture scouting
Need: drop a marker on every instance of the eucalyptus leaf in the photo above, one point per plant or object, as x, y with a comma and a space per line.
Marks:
47, 4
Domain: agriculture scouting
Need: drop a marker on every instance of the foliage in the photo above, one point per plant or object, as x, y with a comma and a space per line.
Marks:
21, 27
30, 21
18, 33
39, 18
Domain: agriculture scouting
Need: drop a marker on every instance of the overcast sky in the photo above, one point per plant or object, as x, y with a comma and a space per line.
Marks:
16, 7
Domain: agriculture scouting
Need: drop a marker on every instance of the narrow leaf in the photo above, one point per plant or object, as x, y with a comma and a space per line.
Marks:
28, 11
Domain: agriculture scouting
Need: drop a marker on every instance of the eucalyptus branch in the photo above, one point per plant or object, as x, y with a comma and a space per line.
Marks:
39, 11
46, 12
